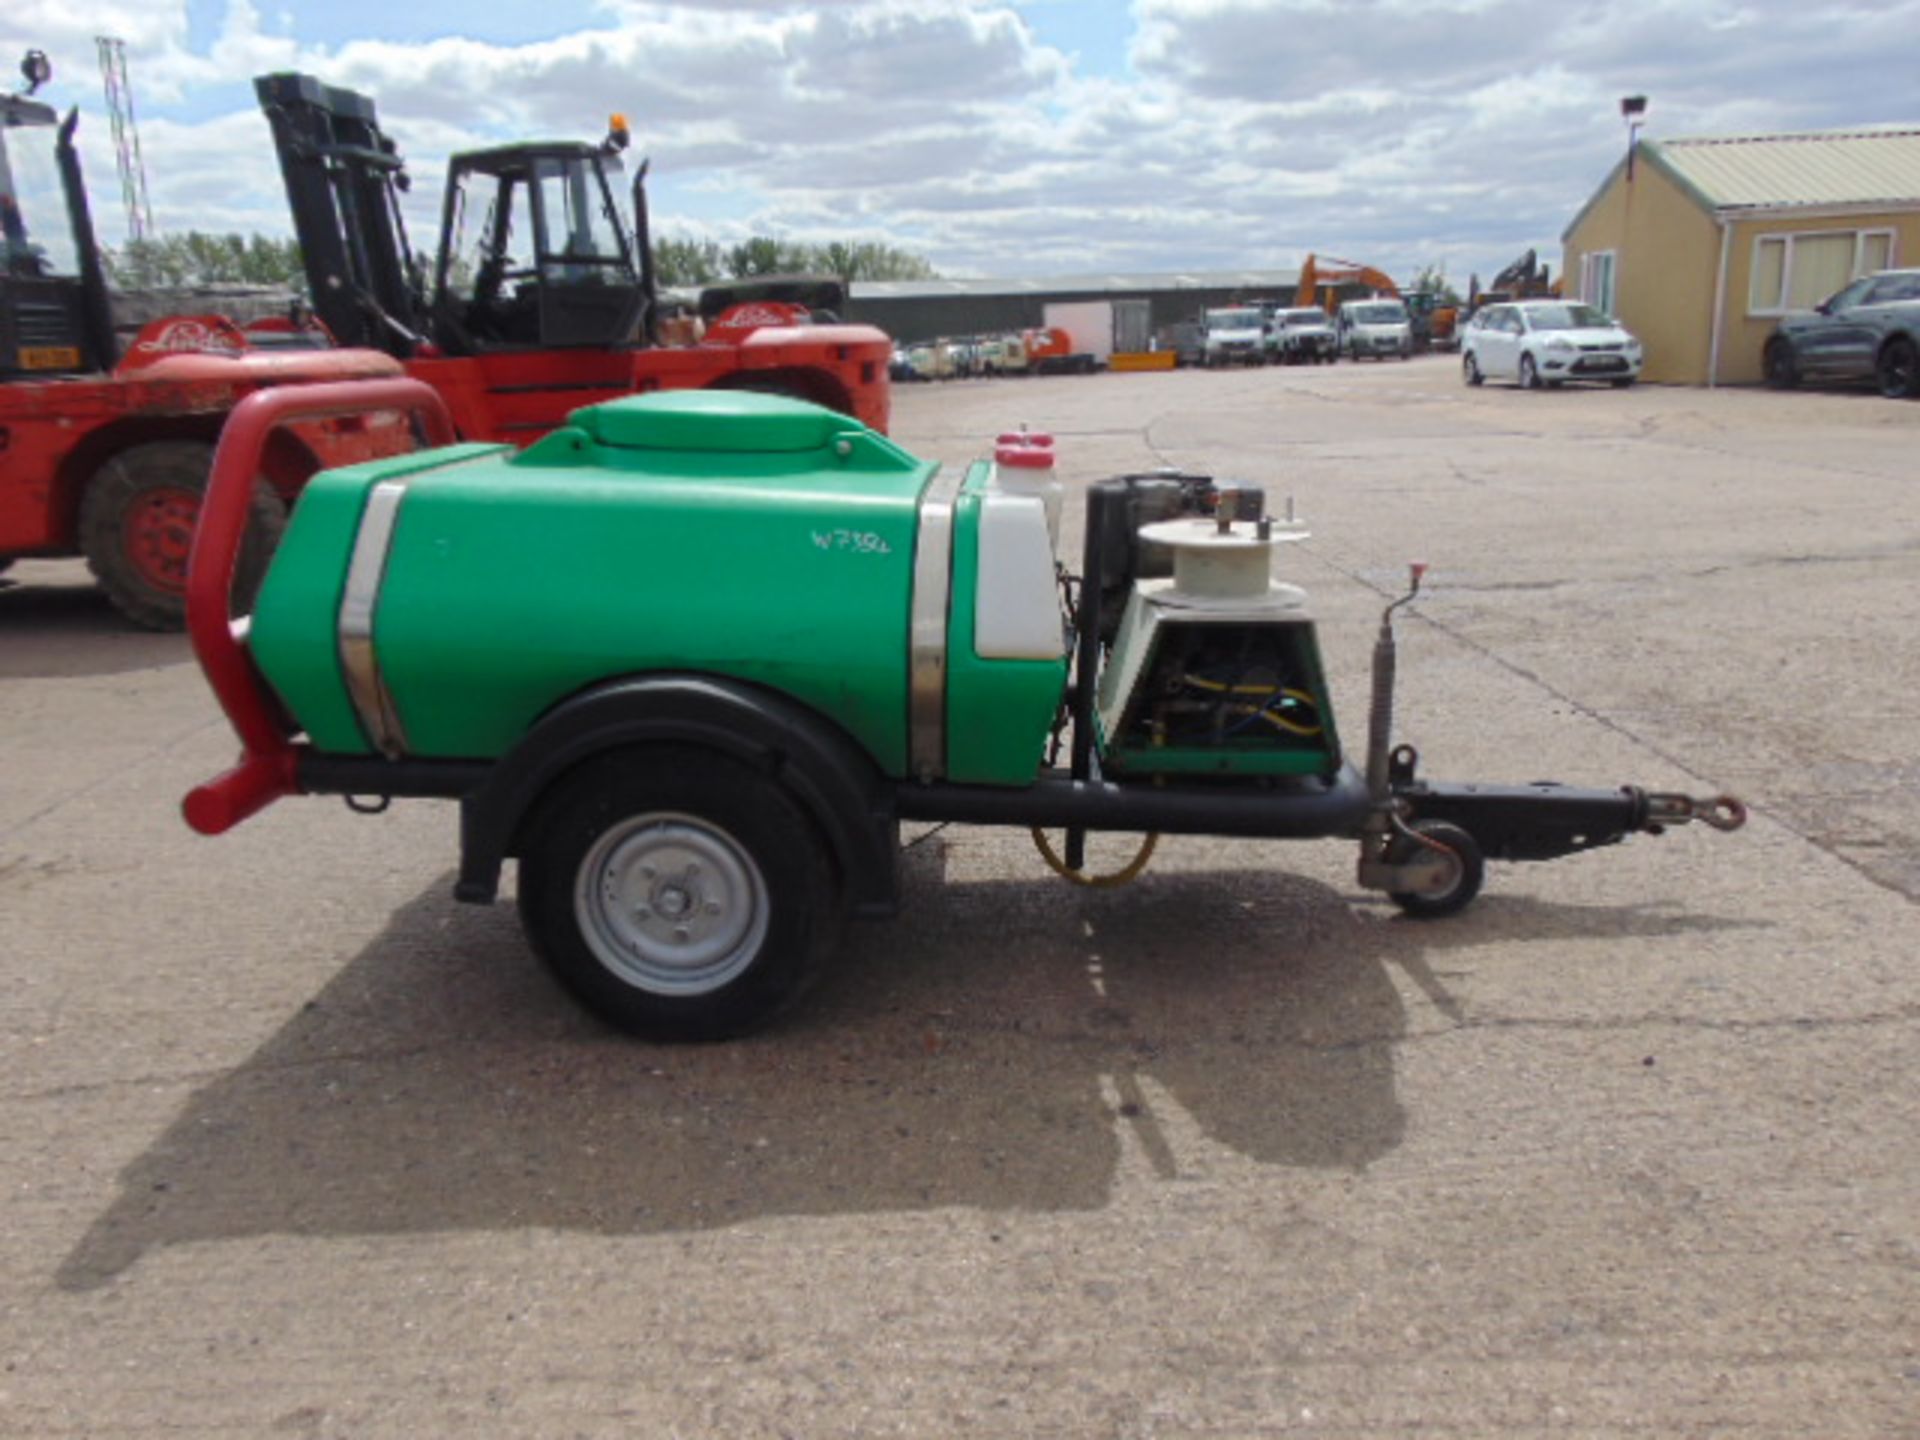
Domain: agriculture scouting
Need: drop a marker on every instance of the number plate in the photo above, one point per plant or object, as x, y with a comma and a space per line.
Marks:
49, 357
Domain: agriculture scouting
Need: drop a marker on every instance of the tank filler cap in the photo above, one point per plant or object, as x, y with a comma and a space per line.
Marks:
1024, 449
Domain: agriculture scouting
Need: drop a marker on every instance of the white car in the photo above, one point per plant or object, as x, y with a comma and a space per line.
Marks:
1548, 342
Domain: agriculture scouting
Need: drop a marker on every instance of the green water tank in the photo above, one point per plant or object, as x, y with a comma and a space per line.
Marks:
436, 605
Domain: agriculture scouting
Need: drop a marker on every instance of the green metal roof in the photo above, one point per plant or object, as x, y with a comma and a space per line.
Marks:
1767, 172
1808, 170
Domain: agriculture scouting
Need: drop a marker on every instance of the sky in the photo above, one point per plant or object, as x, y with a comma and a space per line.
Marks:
1003, 138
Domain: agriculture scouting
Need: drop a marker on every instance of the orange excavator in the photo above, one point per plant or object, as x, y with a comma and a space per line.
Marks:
1323, 278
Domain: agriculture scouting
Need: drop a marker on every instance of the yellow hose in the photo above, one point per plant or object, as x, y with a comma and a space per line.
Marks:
1126, 875
1279, 722
1266, 692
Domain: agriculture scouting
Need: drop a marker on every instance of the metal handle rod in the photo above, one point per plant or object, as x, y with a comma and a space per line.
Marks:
266, 768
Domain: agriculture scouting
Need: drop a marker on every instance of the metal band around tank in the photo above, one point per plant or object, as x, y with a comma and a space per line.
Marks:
372, 702
927, 639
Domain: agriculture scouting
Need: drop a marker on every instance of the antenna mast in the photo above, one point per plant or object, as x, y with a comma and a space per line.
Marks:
126, 136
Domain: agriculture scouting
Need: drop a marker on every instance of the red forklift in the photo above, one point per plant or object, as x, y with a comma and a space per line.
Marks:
542, 297
104, 452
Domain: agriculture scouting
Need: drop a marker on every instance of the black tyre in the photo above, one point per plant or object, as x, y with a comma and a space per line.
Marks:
678, 894
1470, 873
1470, 370
1529, 373
1782, 372
136, 529
1898, 369
1624, 382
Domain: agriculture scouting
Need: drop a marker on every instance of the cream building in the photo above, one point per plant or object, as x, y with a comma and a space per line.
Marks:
1700, 245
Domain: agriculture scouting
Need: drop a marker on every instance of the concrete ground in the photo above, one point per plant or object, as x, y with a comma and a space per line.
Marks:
295, 1145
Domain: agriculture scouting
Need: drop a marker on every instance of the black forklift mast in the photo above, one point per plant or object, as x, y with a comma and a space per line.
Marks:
101, 348
343, 178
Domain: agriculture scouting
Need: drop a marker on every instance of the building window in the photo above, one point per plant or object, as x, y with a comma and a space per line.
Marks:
1797, 272
1596, 279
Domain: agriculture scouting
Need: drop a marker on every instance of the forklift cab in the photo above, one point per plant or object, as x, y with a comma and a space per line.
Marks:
535, 250
46, 322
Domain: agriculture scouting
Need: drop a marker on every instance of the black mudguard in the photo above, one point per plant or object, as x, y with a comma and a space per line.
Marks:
832, 777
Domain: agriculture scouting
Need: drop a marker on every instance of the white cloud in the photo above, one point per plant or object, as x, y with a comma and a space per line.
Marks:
1245, 132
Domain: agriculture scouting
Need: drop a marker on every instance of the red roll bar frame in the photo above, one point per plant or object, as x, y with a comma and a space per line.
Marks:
268, 756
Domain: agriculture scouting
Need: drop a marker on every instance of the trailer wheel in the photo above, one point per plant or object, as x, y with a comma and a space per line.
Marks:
136, 530
1472, 871
678, 894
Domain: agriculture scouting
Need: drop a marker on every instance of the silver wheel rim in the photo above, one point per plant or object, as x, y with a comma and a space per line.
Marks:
671, 903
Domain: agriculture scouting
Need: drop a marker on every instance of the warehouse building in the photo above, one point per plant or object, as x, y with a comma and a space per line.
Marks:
912, 310
1700, 245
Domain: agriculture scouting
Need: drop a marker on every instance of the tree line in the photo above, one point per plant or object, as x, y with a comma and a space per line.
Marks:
195, 257
690, 262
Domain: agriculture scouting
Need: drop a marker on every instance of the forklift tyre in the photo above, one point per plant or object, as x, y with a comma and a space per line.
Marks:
677, 893
136, 530
1466, 884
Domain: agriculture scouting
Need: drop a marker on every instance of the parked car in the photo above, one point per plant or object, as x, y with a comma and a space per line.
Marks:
1187, 339
1375, 327
1236, 335
963, 356
1306, 337
1868, 331
930, 360
959, 364
1004, 355
1548, 342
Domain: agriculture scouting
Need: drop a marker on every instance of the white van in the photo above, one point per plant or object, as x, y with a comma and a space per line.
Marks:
1375, 327
1236, 335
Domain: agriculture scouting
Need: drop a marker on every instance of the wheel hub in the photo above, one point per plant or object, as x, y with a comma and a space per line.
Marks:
672, 903
159, 536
